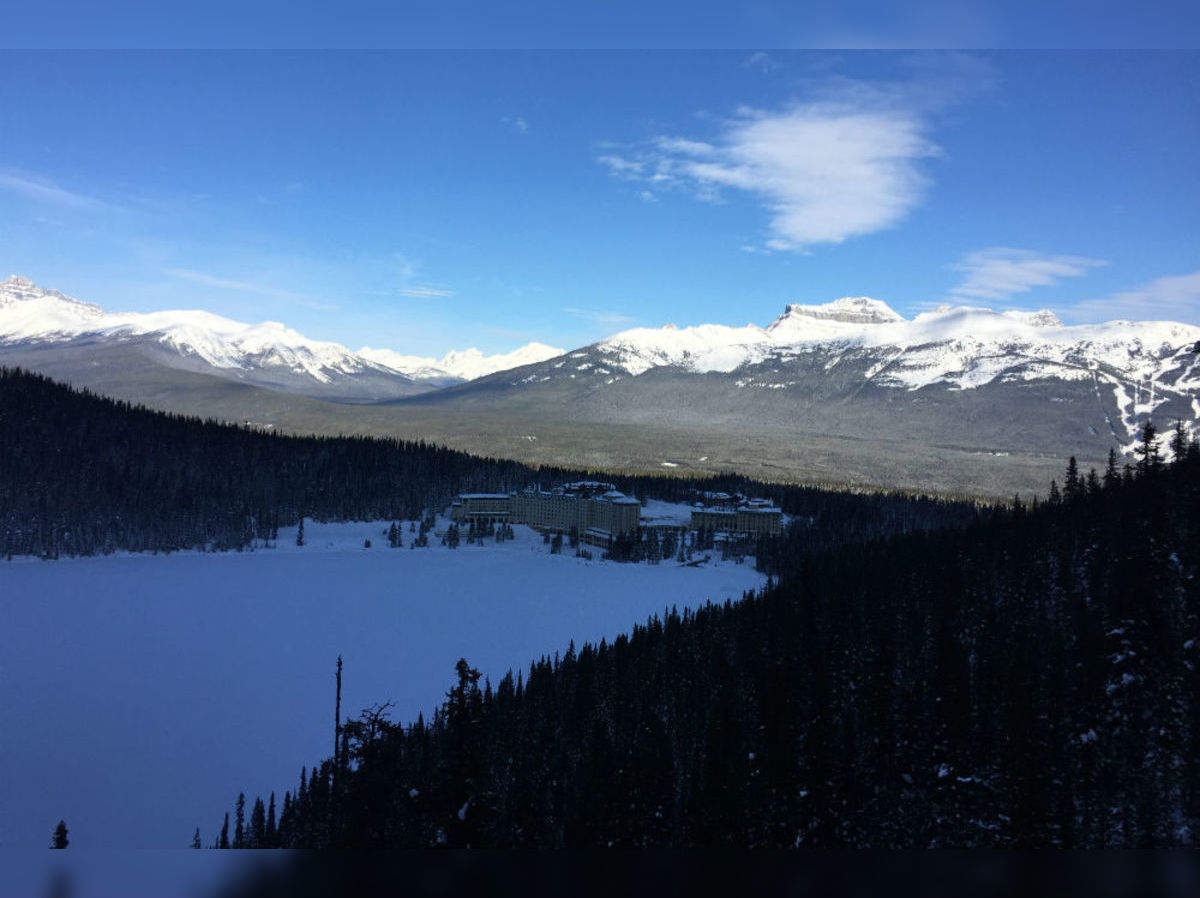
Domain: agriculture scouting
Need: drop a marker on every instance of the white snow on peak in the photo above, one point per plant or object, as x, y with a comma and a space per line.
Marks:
842, 318
718, 347
465, 364
705, 347
1040, 318
959, 345
29, 312
848, 309
32, 313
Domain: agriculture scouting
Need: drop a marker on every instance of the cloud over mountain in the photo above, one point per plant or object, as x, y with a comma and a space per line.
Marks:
999, 272
825, 171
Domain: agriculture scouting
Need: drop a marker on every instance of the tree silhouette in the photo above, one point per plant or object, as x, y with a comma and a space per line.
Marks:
1146, 450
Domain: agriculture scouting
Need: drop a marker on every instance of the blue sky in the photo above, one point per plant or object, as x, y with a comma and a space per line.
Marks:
424, 201
602, 24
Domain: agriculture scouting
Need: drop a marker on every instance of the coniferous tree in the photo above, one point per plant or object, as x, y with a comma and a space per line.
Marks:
258, 825
223, 840
337, 710
1179, 441
1072, 483
1111, 475
1149, 458
239, 829
196, 839
59, 839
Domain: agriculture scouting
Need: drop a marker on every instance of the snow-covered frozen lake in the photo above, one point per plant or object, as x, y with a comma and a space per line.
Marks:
141, 693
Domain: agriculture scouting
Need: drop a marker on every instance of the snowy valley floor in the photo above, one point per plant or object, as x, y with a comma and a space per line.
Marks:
179, 680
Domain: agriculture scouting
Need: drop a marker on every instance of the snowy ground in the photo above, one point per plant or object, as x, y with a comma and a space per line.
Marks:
142, 692
677, 514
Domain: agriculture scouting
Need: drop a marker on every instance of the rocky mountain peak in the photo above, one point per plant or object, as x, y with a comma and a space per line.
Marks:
847, 310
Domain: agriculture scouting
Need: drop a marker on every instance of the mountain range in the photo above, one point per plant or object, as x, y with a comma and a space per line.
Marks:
267, 354
849, 391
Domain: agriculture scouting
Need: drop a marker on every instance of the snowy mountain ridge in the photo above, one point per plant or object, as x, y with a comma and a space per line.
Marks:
845, 357
465, 364
29, 313
858, 362
960, 346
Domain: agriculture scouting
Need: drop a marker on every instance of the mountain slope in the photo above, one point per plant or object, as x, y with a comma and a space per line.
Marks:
997, 381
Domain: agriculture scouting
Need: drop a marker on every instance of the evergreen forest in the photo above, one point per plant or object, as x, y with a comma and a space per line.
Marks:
1028, 679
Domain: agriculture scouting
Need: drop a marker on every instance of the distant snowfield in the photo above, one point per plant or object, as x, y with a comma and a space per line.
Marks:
143, 692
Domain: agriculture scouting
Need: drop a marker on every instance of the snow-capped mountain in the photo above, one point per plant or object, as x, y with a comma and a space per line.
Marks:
32, 313
955, 398
856, 351
457, 366
265, 354
961, 347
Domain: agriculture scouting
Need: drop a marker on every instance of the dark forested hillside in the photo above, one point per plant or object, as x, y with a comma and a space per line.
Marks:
1028, 680
80, 474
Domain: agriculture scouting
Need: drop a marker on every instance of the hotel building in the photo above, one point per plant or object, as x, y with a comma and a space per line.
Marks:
597, 512
752, 517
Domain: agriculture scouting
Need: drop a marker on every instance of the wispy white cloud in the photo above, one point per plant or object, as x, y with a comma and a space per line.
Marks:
517, 123
1000, 272
406, 267
209, 280
620, 167
826, 171
602, 317
1173, 297
408, 270
258, 289
764, 62
426, 292
845, 160
685, 147
42, 190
